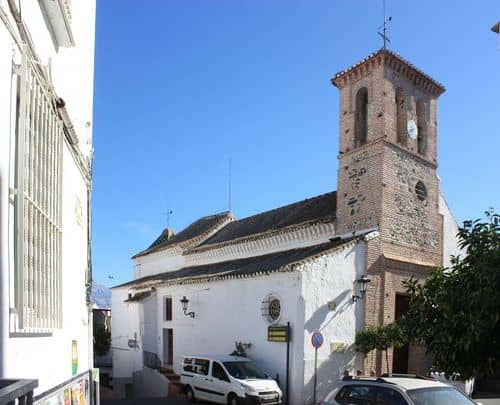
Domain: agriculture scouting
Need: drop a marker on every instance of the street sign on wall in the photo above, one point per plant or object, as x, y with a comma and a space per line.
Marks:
277, 333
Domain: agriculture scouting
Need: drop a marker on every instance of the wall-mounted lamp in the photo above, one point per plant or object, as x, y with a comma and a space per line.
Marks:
363, 285
185, 302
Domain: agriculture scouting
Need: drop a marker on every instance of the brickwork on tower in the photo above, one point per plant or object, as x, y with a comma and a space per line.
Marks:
387, 179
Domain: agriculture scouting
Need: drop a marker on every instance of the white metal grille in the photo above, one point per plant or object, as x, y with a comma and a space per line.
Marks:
39, 160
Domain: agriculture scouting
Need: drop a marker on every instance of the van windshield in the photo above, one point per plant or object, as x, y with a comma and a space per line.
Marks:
244, 370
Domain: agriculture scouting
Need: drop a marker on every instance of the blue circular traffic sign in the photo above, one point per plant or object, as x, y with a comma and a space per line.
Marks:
317, 339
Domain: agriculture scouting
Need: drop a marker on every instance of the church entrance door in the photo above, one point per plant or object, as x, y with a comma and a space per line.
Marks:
400, 355
168, 346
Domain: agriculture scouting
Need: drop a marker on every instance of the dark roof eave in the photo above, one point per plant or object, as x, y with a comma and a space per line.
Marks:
242, 268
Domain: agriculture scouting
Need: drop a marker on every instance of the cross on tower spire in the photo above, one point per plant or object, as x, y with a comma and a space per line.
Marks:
383, 34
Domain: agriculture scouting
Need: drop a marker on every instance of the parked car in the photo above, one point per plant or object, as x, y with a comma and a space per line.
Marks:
395, 390
228, 380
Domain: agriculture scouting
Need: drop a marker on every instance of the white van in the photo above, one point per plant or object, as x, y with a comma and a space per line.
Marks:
227, 380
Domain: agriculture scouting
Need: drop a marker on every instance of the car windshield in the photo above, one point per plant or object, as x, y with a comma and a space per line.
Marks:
438, 396
244, 370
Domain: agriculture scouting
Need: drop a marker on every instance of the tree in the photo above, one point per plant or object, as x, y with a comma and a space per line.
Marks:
381, 338
455, 312
102, 341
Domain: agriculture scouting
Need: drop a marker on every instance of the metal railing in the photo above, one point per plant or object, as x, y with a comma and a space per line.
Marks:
17, 391
151, 359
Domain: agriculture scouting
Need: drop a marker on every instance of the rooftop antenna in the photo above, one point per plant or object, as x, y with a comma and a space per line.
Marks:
229, 187
383, 34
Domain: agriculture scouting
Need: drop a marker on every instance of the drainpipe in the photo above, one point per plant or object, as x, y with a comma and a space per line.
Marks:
88, 276
4, 282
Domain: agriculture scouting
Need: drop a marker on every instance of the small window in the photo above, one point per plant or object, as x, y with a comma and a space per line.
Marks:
201, 366
218, 372
356, 394
421, 191
388, 396
188, 364
168, 309
361, 119
401, 116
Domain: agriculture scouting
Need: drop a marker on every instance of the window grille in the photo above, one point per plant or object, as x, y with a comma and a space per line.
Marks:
39, 134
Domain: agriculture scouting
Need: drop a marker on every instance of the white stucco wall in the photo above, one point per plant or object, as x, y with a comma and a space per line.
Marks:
328, 279
229, 311
450, 231
124, 327
49, 358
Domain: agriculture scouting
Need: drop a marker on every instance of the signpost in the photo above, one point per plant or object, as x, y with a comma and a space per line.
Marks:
281, 333
317, 341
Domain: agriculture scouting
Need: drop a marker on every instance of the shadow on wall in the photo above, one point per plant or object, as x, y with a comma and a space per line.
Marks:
331, 368
328, 374
317, 320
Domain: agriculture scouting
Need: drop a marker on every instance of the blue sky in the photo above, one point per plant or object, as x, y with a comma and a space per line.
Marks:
183, 86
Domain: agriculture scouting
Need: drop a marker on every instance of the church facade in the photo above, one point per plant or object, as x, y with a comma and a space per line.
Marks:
333, 263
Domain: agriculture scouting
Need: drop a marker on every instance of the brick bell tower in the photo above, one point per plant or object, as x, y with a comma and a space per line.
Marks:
387, 180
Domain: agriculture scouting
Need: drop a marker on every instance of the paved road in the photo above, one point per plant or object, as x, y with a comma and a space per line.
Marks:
488, 401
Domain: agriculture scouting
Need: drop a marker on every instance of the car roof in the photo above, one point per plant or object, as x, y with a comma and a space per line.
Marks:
218, 357
406, 383
414, 383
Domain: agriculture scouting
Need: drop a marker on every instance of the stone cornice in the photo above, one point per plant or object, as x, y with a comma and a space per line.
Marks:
396, 63
260, 236
293, 237
392, 145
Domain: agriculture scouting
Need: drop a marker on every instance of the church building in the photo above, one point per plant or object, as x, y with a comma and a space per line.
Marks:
333, 263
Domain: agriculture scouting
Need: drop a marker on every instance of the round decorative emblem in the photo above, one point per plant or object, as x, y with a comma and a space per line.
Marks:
271, 308
274, 309
412, 130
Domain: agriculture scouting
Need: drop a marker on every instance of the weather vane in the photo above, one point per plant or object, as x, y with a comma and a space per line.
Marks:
383, 34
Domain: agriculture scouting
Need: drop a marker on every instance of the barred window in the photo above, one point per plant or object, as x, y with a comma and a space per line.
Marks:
39, 136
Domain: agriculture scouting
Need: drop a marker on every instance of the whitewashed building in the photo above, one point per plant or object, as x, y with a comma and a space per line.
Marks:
46, 101
333, 263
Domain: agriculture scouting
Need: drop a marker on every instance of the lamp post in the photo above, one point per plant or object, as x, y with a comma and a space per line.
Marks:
363, 283
185, 302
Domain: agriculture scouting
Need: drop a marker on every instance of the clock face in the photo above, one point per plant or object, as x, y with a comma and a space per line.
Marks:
411, 127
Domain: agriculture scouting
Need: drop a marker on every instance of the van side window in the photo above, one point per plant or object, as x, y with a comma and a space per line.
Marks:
188, 364
218, 372
201, 366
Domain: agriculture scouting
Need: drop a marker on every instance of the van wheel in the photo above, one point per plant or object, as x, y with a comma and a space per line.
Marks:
232, 400
190, 394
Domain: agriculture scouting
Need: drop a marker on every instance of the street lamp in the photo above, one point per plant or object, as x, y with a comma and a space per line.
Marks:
185, 302
363, 285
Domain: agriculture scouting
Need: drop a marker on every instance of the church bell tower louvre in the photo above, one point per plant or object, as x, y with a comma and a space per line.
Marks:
387, 180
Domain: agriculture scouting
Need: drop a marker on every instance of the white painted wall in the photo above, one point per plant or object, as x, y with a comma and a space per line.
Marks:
229, 311
124, 327
48, 359
331, 278
450, 231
